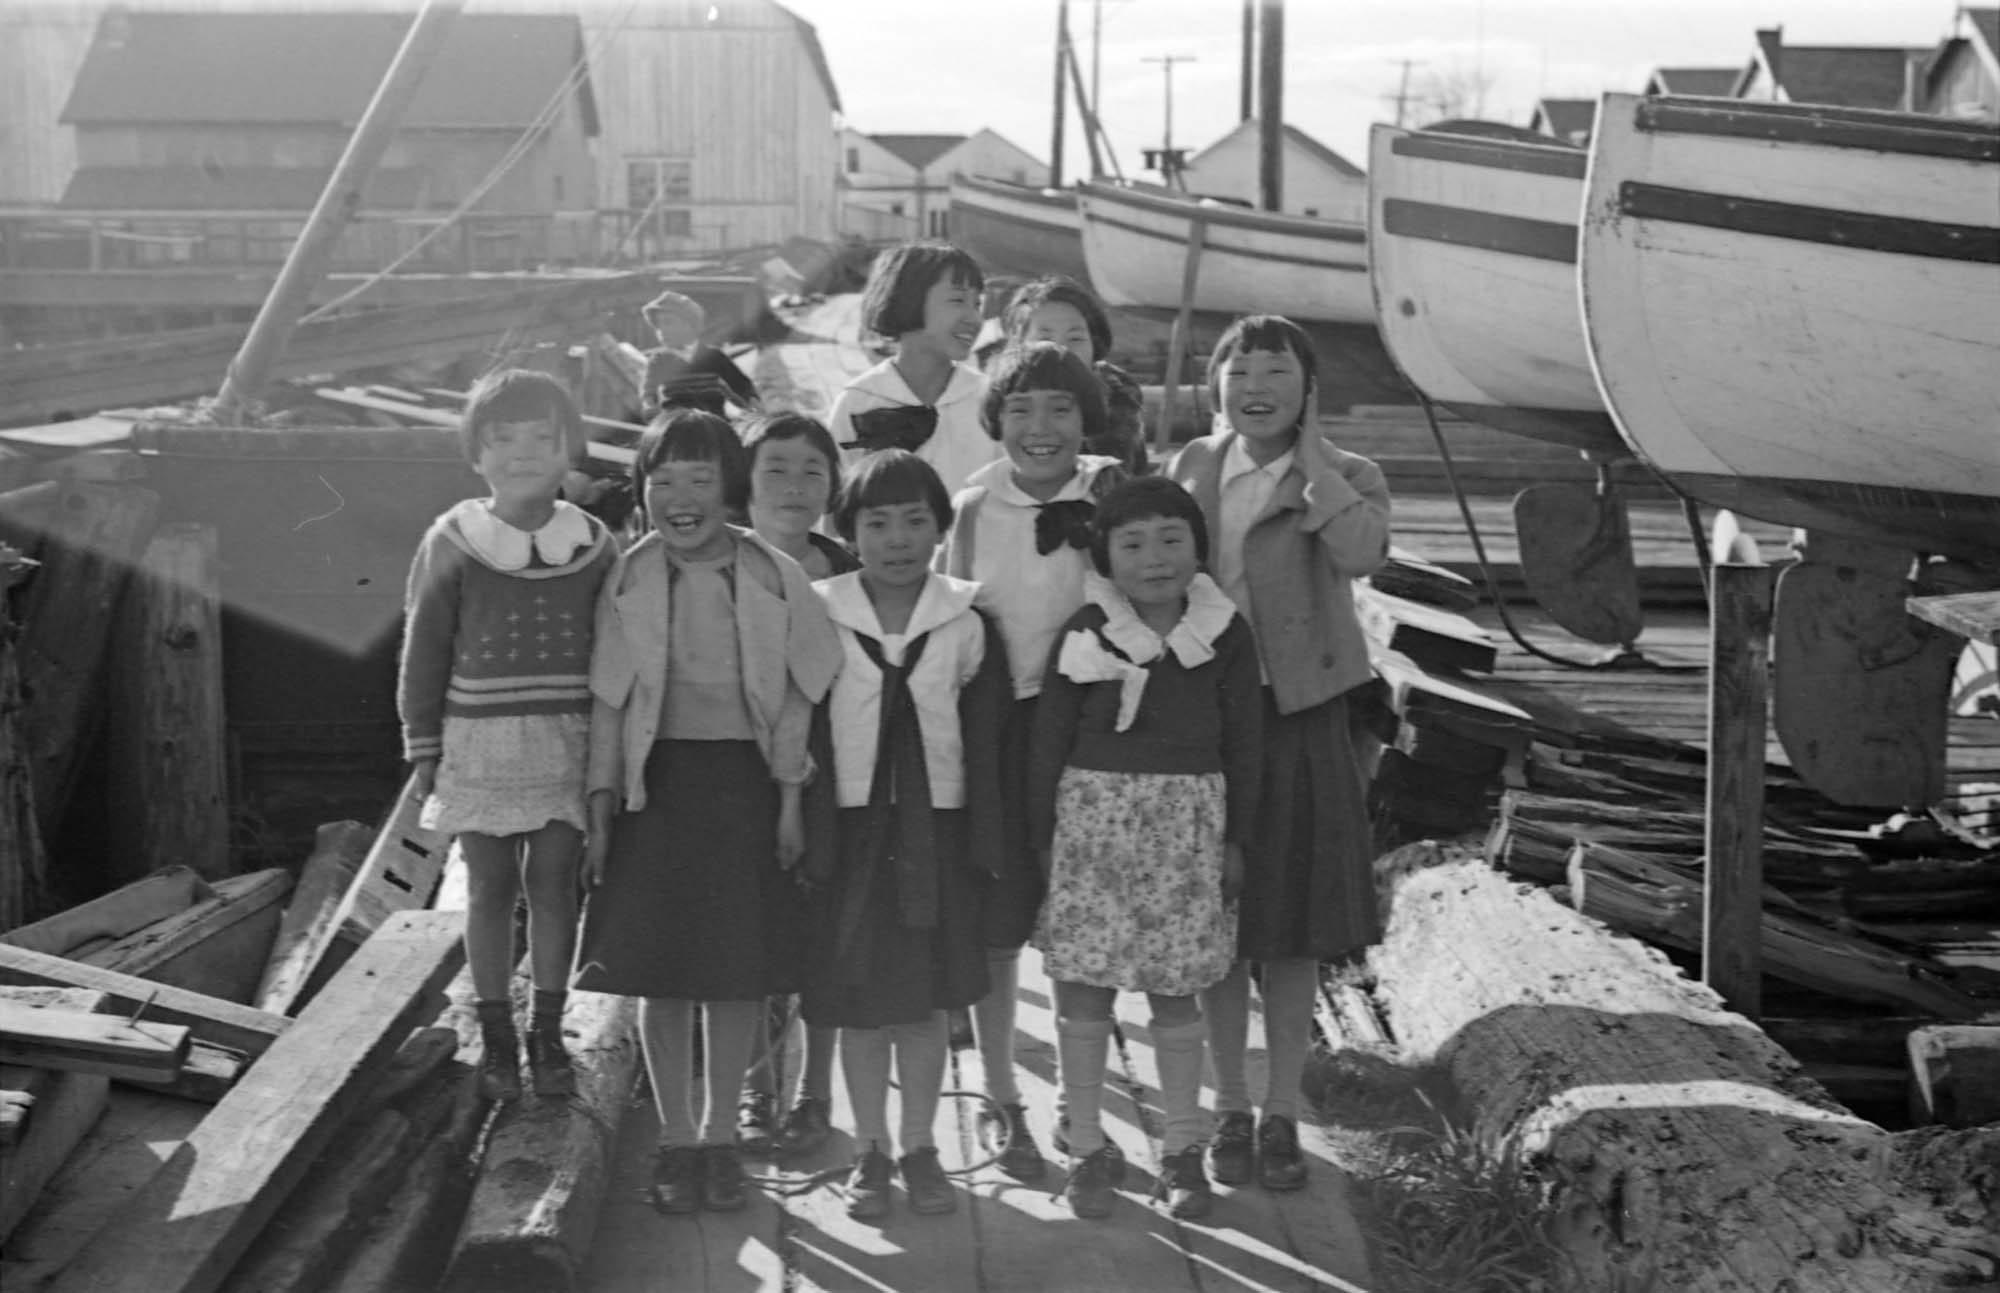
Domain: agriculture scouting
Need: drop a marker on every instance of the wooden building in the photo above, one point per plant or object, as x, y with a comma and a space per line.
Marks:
898, 186
1843, 76
1962, 77
1570, 120
1318, 181
1712, 82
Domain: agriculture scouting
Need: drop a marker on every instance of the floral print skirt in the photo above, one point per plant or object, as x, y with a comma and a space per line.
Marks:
510, 774
1135, 888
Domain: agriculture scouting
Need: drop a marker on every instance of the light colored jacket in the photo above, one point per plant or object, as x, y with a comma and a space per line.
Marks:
1327, 524
787, 650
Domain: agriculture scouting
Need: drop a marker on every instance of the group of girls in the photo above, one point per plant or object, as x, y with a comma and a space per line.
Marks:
1031, 696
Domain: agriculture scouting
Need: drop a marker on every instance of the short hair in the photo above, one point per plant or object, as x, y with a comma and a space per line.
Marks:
887, 478
1271, 332
792, 426
1057, 289
693, 435
1141, 499
1043, 366
674, 305
520, 395
893, 302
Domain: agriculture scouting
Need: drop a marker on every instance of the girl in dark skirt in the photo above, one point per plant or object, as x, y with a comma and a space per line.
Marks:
909, 734
711, 651
1295, 521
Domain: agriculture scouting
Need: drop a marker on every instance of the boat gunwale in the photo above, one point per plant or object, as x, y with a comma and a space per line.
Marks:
1223, 214
1859, 128
1064, 199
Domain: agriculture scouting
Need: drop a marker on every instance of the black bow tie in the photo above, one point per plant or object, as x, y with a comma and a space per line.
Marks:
901, 426
1065, 522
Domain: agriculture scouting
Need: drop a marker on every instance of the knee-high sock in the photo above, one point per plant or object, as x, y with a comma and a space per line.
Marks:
727, 1039
993, 1021
1289, 987
666, 1032
1226, 1006
1083, 1049
816, 1074
920, 1057
1177, 1049
864, 1062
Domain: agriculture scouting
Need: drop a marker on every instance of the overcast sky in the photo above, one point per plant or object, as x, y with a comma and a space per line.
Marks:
952, 66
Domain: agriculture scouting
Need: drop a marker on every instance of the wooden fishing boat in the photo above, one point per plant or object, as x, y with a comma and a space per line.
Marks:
1015, 229
1135, 240
1472, 253
1794, 312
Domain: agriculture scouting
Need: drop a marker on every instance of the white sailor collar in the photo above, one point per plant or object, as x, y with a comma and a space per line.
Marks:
505, 547
997, 477
943, 599
885, 380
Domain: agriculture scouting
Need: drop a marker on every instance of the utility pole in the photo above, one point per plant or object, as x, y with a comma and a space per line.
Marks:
1402, 96
1056, 130
1248, 72
1169, 163
1271, 105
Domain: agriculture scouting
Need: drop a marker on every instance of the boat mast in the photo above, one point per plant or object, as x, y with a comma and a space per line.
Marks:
1056, 132
1247, 72
338, 202
1271, 105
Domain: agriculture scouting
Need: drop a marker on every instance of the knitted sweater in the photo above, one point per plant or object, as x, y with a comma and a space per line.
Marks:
482, 642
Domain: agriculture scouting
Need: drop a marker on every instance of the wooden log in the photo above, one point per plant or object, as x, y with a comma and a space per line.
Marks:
64, 1107
535, 1205
24, 878
215, 947
166, 761
311, 918
1683, 1147
191, 1223
1732, 895
95, 538
222, 1023
76, 1042
1955, 1074
124, 910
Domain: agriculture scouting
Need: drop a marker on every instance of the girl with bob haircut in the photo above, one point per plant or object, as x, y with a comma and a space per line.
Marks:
711, 652
909, 758
1296, 521
926, 298
1059, 309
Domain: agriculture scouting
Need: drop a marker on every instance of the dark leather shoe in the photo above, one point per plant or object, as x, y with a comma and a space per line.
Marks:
677, 1180
1281, 1164
1232, 1152
721, 1179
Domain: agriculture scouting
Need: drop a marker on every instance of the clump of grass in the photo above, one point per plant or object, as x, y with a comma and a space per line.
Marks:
1453, 1212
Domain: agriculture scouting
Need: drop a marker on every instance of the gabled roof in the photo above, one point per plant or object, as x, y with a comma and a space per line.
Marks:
1841, 76
1713, 81
496, 71
1293, 135
919, 150
233, 188
1985, 24
1566, 119
816, 55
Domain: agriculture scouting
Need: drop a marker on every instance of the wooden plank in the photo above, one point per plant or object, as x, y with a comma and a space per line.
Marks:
215, 947
1973, 616
63, 1105
214, 1020
312, 917
76, 1042
196, 1217
401, 871
1733, 903
113, 915
165, 741
1429, 635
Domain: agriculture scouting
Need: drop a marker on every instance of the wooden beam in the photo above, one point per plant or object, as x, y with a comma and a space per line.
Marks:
218, 1022
215, 947
190, 1224
1739, 666
62, 1107
1973, 616
77, 1042
312, 917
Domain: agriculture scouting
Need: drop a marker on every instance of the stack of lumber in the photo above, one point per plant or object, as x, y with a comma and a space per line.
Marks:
1683, 1148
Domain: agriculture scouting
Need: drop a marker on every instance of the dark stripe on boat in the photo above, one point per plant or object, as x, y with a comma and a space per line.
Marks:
1493, 154
1463, 227
1898, 235
1211, 244
1799, 124
1221, 214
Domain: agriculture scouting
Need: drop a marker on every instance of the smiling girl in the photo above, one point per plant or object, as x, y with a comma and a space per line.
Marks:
912, 727
1062, 310
925, 296
1021, 530
1296, 521
711, 652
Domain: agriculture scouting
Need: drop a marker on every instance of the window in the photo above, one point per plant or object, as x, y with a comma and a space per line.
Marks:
676, 222
655, 181
853, 160
895, 208
937, 224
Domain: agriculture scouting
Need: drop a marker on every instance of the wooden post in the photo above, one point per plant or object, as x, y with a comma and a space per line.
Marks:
23, 868
1247, 74
1177, 340
336, 206
1056, 115
94, 540
1271, 105
1733, 888
166, 737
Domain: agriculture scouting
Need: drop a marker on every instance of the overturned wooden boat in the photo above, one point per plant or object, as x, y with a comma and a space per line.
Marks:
1472, 253
1018, 229
1794, 312
1136, 241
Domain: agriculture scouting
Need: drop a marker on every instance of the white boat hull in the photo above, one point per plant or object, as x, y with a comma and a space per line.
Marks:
1796, 313
1472, 252
1015, 229
1252, 262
